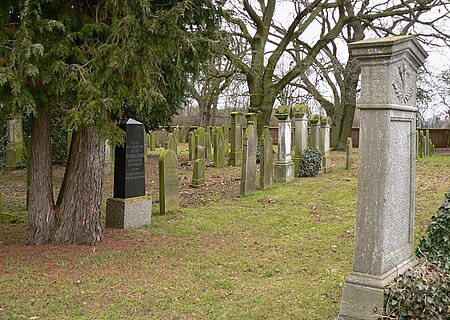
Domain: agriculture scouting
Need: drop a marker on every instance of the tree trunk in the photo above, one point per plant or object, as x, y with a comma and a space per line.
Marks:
81, 195
345, 112
40, 205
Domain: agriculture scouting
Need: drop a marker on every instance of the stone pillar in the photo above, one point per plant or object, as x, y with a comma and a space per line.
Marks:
266, 159
348, 153
325, 145
248, 172
284, 167
236, 139
301, 134
315, 131
384, 231
427, 143
251, 117
15, 147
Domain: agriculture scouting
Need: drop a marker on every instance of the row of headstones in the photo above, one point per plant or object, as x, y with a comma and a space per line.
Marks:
424, 145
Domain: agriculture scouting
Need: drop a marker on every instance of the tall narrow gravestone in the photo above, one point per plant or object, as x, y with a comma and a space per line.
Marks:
348, 153
324, 146
171, 142
219, 148
235, 158
300, 135
168, 181
248, 173
315, 131
384, 232
284, 167
266, 160
15, 147
129, 208
191, 143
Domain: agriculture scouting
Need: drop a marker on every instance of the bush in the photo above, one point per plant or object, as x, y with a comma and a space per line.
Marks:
424, 291
420, 293
310, 163
435, 245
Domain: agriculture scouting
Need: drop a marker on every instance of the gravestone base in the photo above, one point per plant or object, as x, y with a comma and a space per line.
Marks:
363, 293
197, 183
284, 171
14, 153
128, 213
326, 164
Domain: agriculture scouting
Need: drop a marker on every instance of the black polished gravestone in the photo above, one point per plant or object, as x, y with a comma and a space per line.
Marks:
129, 168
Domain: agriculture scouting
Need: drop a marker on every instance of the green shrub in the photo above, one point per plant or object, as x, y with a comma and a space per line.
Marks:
435, 245
310, 163
424, 291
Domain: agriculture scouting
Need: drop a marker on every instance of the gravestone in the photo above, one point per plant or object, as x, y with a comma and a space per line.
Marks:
152, 140
130, 207
177, 133
384, 231
348, 153
171, 142
284, 167
248, 172
168, 181
164, 134
198, 177
226, 134
266, 160
301, 134
421, 146
219, 148
186, 133
199, 143
315, 131
15, 148
109, 159
325, 145
191, 143
235, 158
427, 143
182, 138
208, 146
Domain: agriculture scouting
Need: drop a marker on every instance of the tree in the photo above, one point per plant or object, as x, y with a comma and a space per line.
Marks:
99, 61
271, 42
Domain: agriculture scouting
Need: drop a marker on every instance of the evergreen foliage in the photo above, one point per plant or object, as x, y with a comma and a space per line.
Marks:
310, 163
99, 61
424, 291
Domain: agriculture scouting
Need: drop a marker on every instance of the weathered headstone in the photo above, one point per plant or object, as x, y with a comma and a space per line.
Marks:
199, 143
348, 153
164, 134
109, 159
226, 134
198, 177
284, 167
129, 208
421, 146
235, 158
171, 142
191, 143
15, 148
325, 145
248, 172
219, 148
301, 134
315, 131
427, 143
168, 181
152, 140
182, 138
384, 232
266, 159
208, 146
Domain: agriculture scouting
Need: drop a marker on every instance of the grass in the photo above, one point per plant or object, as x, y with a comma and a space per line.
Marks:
278, 254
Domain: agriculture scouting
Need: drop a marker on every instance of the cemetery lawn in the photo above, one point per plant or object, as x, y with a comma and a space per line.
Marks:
278, 254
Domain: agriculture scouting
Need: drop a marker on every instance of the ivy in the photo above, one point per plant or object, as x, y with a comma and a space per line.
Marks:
310, 163
424, 291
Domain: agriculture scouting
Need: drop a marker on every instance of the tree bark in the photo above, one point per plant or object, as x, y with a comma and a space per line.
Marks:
345, 112
40, 203
81, 195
